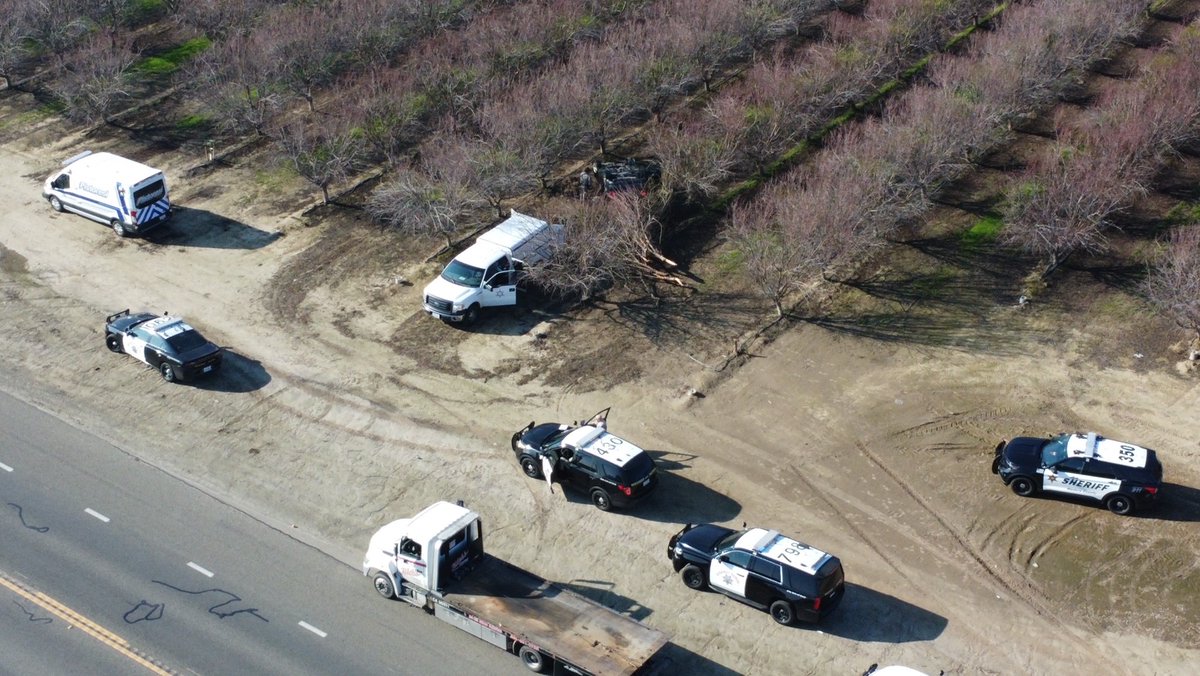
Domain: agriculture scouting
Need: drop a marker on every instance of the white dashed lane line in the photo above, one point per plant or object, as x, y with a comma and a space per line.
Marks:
5, 467
98, 515
313, 629
200, 569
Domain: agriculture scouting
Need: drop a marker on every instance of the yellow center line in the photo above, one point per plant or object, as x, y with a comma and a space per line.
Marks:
75, 619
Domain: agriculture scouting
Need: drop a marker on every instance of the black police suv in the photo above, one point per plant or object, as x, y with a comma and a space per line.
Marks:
761, 568
611, 471
164, 342
1120, 476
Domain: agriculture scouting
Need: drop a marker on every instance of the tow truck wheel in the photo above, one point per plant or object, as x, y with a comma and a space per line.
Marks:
167, 372
113, 342
384, 585
693, 577
601, 500
533, 660
119, 228
1022, 486
530, 467
55, 203
781, 612
1119, 504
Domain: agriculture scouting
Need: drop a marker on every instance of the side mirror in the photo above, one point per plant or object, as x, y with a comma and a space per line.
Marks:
488, 286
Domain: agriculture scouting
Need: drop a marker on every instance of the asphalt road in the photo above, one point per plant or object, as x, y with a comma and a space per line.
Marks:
162, 577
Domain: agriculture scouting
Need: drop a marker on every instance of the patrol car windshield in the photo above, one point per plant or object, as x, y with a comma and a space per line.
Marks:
188, 340
1055, 450
729, 540
463, 274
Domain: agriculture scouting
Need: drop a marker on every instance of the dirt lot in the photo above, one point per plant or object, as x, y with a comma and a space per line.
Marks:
865, 430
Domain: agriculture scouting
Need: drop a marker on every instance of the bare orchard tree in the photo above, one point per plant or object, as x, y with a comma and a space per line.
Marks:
787, 236
94, 80
1063, 206
609, 242
323, 151
1174, 281
432, 197
694, 163
14, 39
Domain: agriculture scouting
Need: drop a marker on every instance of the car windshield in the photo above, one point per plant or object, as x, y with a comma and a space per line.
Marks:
186, 341
729, 540
463, 274
1055, 450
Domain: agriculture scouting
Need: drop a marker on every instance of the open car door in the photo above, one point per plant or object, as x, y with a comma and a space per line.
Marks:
599, 420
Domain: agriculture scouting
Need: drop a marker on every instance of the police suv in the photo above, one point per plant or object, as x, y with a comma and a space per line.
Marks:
1119, 475
761, 568
164, 342
610, 470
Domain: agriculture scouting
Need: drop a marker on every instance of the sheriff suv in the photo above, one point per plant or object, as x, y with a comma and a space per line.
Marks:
164, 342
761, 568
1121, 476
610, 470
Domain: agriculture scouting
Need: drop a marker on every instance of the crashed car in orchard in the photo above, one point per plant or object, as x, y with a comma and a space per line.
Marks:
1119, 475
611, 471
166, 343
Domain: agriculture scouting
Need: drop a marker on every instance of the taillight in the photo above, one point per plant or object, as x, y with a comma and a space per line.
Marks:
1152, 490
133, 213
817, 603
628, 491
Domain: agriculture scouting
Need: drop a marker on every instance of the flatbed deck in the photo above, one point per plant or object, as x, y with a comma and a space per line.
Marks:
572, 628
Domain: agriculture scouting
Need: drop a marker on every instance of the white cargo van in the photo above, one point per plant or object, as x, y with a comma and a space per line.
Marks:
486, 273
128, 196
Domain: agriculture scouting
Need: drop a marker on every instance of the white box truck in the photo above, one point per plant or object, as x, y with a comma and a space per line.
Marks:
435, 560
486, 273
128, 196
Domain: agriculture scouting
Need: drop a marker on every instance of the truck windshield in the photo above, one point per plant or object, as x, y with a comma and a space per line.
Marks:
463, 274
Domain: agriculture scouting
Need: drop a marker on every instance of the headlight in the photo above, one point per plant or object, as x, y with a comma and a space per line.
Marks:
457, 307
678, 550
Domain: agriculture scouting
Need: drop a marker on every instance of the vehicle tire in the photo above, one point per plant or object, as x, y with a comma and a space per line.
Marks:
55, 203
1119, 504
693, 577
113, 342
167, 372
601, 500
471, 316
531, 467
119, 228
533, 660
384, 585
781, 612
1022, 486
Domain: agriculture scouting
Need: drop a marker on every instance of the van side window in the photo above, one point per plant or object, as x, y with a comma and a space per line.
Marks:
62, 182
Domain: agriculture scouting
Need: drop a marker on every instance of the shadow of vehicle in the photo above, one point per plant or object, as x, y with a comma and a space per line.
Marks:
201, 228
238, 373
532, 308
601, 591
869, 615
1175, 503
675, 659
677, 499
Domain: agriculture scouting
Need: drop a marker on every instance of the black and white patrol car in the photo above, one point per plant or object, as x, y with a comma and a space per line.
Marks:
610, 470
761, 568
1119, 475
164, 342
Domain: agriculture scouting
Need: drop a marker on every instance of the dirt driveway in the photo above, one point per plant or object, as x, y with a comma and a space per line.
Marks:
343, 407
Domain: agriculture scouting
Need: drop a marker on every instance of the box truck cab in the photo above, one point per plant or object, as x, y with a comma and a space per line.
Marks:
128, 196
486, 273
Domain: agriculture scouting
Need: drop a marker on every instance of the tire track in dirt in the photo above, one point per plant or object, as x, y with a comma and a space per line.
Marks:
1052, 539
1025, 595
